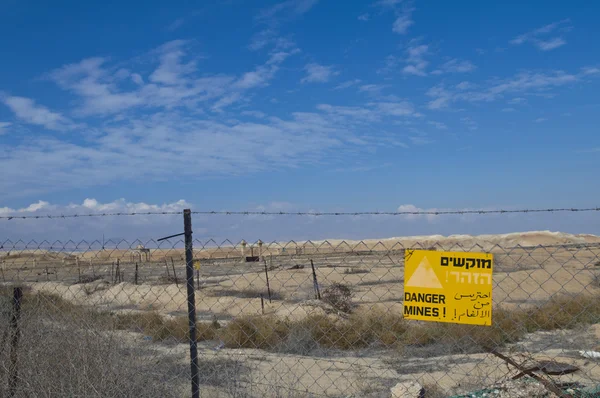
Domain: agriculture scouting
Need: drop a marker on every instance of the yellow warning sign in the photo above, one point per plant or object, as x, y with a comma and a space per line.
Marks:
454, 287
197, 264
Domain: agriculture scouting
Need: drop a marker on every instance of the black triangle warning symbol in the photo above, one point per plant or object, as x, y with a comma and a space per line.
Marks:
424, 276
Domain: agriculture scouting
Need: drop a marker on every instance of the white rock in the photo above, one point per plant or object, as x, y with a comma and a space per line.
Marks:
408, 389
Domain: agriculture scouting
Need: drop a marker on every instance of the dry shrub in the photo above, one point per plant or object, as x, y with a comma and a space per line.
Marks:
339, 296
68, 355
358, 331
160, 328
563, 312
255, 332
434, 391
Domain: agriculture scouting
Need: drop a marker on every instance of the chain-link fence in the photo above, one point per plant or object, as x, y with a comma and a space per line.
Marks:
308, 319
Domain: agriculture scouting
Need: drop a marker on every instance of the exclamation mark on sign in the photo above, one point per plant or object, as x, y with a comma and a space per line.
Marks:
444, 312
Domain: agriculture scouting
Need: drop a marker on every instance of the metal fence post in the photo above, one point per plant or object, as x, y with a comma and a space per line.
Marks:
14, 374
191, 299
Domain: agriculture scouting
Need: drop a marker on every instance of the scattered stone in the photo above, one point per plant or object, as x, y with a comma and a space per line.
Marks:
408, 389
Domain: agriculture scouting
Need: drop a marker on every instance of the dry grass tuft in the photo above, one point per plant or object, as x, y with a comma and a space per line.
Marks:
339, 296
357, 330
356, 270
255, 332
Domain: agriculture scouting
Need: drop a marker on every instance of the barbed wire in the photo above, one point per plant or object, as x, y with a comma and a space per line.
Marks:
306, 213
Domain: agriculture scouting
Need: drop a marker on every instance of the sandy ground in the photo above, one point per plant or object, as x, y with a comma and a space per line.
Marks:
529, 269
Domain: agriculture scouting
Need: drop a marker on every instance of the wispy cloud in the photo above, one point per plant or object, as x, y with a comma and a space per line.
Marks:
521, 83
176, 24
286, 9
455, 66
539, 37
348, 84
540, 120
469, 123
364, 17
391, 64
256, 114
175, 82
373, 89
415, 59
28, 111
438, 125
402, 23
551, 44
4, 127
590, 70
517, 101
316, 73
403, 14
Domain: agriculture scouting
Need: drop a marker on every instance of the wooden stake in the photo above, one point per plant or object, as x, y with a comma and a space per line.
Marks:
174, 273
315, 282
268, 286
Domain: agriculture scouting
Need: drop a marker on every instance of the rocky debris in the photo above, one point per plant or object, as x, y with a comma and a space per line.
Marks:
408, 389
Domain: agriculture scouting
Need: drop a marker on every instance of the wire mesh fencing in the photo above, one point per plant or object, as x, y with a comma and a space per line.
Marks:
295, 319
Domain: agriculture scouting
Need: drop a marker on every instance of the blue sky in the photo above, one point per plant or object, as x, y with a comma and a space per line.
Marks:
300, 104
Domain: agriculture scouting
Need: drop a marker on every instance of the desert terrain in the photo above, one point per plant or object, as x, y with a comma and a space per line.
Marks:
531, 270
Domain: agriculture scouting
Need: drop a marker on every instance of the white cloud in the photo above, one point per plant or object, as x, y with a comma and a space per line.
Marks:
438, 125
409, 208
551, 44
4, 126
122, 149
93, 206
174, 83
372, 88
348, 84
256, 78
517, 100
27, 110
522, 83
172, 70
316, 73
364, 17
417, 64
465, 86
402, 23
403, 108
256, 114
128, 231
262, 39
455, 66
540, 119
286, 9
545, 44
137, 79
176, 24
391, 64
470, 123
590, 70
